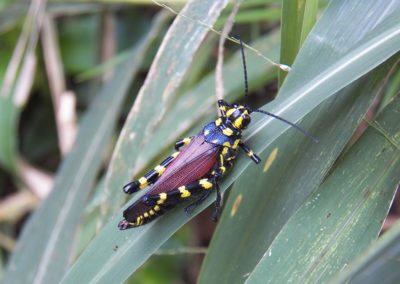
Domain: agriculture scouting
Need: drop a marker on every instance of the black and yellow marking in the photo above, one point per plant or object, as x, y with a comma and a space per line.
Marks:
223, 107
175, 196
250, 153
183, 142
144, 218
149, 177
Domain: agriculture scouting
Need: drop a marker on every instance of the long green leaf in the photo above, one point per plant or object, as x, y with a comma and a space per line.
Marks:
298, 18
43, 251
342, 217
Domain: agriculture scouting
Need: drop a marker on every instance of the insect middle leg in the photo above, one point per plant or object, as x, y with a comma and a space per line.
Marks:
225, 161
150, 177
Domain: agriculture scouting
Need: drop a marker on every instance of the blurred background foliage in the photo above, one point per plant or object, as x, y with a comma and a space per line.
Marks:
78, 119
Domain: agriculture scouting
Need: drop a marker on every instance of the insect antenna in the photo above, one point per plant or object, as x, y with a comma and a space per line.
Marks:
246, 83
309, 135
246, 94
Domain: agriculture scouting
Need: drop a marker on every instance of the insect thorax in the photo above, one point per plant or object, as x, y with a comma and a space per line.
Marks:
219, 133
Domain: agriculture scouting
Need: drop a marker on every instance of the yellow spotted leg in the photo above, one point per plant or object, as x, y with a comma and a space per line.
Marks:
175, 196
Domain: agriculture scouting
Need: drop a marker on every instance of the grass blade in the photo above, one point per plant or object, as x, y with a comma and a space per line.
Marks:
298, 18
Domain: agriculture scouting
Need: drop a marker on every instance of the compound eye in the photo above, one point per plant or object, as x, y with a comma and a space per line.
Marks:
246, 120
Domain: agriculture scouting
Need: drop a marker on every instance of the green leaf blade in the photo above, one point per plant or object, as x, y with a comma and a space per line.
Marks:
298, 18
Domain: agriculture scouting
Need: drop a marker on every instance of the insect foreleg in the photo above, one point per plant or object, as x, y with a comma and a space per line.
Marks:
256, 159
223, 107
150, 177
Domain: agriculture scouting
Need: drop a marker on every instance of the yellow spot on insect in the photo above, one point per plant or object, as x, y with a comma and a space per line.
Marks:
205, 183
160, 170
230, 111
143, 182
236, 204
174, 155
184, 192
237, 141
250, 154
162, 198
152, 212
227, 131
186, 141
218, 122
238, 122
225, 151
146, 215
157, 208
270, 160
227, 144
223, 169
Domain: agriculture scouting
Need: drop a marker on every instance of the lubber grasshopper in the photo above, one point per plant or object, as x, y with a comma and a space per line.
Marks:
197, 166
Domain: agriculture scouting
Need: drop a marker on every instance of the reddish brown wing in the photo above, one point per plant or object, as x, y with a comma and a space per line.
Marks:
193, 163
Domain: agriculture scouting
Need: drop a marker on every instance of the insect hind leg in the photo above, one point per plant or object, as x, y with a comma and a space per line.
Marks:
173, 197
